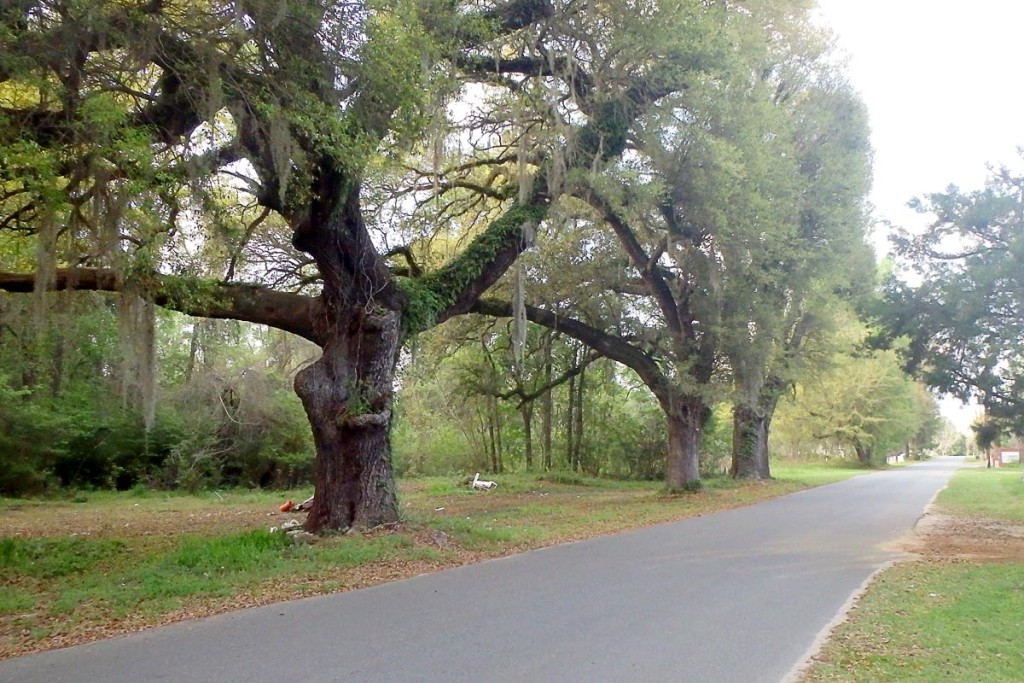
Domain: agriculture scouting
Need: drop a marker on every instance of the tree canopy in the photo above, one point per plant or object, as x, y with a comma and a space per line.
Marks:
230, 159
964, 311
739, 211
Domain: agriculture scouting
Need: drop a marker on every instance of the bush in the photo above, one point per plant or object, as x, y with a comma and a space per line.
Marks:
716, 442
29, 442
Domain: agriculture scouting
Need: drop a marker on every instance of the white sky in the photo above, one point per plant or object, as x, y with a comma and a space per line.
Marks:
944, 84
942, 80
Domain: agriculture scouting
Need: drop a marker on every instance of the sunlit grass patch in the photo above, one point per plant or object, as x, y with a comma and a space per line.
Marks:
930, 623
817, 474
231, 554
997, 492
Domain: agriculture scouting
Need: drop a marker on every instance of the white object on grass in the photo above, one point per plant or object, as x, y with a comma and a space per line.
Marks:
482, 485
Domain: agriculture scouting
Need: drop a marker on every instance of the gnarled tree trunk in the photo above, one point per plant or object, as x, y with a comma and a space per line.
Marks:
686, 418
347, 395
750, 425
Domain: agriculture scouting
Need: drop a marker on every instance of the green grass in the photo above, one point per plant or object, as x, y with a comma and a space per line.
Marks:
997, 493
15, 601
48, 558
929, 623
940, 620
814, 474
149, 498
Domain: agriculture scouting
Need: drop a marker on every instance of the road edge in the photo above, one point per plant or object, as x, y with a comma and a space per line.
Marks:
803, 664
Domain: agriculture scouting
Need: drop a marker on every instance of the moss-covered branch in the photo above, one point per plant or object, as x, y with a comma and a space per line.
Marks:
453, 289
202, 298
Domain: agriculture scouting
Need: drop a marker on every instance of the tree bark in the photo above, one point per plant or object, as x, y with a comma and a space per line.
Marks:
570, 423
486, 433
750, 429
193, 352
546, 408
686, 418
577, 451
497, 449
347, 395
864, 454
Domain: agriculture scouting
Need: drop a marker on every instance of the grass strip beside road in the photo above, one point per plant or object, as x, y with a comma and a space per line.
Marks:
997, 493
103, 564
953, 614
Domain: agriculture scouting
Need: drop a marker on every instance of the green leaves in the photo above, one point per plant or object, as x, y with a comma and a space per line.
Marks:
965, 320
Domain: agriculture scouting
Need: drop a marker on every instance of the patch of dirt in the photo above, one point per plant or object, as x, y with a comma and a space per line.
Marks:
170, 519
944, 538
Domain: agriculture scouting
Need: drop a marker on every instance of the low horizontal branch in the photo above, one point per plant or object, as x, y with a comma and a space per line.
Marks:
292, 313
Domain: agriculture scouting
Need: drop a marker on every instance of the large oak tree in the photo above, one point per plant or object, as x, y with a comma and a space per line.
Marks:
737, 216
134, 132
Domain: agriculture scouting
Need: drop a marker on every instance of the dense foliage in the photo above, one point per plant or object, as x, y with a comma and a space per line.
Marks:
964, 315
225, 414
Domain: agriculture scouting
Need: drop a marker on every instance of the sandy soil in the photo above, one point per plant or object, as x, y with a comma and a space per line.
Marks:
943, 538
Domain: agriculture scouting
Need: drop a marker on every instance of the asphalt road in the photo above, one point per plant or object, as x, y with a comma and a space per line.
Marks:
735, 596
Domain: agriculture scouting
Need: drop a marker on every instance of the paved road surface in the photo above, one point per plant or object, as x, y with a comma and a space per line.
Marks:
735, 596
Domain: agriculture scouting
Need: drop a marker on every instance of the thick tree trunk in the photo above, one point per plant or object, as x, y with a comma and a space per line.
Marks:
864, 454
686, 419
347, 395
750, 427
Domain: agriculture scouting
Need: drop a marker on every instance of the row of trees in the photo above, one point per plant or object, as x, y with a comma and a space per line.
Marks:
225, 414
467, 404
677, 187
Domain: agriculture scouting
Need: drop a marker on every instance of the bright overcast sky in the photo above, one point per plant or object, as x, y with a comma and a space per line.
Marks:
944, 84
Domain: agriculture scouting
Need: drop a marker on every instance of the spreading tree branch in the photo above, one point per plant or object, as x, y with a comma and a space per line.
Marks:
289, 312
454, 289
603, 343
650, 274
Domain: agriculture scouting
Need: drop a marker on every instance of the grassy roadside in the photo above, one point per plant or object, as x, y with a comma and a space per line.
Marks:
955, 613
104, 564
